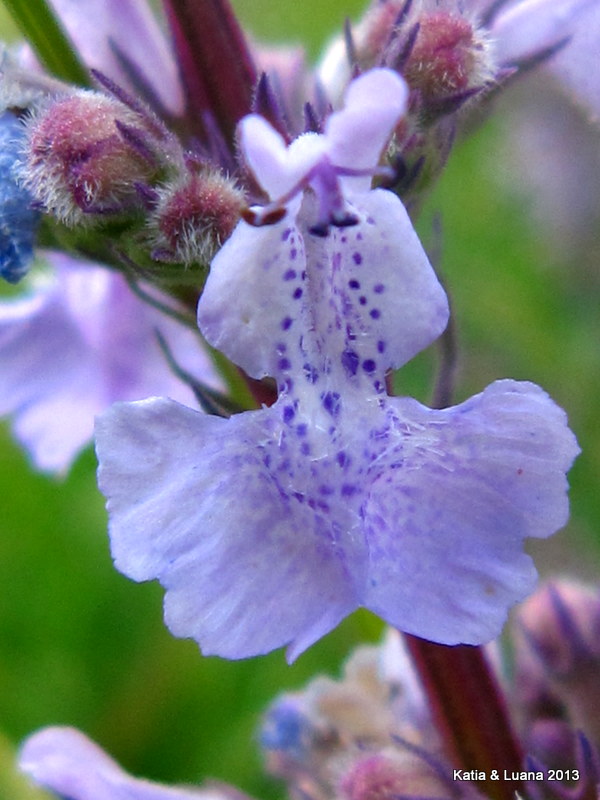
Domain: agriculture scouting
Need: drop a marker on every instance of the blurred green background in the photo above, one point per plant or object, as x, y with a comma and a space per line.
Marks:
81, 645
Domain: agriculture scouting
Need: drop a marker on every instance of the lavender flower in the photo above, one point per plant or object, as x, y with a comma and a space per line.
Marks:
65, 761
75, 344
269, 527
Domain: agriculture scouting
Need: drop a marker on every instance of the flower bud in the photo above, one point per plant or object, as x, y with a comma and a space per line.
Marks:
447, 57
557, 655
193, 217
84, 156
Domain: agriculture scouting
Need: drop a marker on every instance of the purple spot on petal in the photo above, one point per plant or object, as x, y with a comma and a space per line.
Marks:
301, 429
357, 258
289, 412
374, 313
311, 373
284, 363
362, 300
354, 284
289, 275
293, 253
380, 346
342, 458
348, 489
332, 403
286, 323
297, 293
379, 288
285, 235
350, 361
369, 365
305, 448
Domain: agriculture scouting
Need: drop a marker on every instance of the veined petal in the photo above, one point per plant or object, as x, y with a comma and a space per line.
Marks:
215, 509
446, 526
65, 761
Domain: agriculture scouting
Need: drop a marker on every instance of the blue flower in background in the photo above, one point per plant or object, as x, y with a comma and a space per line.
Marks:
18, 220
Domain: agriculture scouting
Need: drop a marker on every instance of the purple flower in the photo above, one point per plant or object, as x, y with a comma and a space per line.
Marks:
268, 528
75, 344
67, 762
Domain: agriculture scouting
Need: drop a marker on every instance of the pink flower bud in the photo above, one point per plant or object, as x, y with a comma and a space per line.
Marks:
193, 217
444, 59
81, 157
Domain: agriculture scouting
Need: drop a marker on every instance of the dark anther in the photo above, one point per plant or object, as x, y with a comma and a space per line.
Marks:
258, 219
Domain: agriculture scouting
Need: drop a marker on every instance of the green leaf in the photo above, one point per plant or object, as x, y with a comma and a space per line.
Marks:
47, 37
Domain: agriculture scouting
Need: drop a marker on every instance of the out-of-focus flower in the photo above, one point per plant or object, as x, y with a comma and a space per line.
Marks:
342, 496
76, 343
357, 737
557, 655
18, 221
65, 761
124, 40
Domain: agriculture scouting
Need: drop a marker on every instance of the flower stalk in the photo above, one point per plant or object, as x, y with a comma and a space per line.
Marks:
215, 64
470, 712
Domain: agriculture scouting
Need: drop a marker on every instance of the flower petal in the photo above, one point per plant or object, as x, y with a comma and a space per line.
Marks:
356, 135
277, 167
371, 282
530, 26
101, 29
76, 344
65, 761
446, 528
206, 506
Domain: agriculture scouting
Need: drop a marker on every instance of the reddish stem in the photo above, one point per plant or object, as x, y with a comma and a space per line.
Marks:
216, 67
470, 713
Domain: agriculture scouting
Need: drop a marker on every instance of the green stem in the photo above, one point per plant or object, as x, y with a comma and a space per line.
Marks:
45, 34
470, 713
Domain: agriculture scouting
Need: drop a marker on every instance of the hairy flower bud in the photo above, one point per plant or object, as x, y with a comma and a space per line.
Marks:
447, 57
193, 217
84, 156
